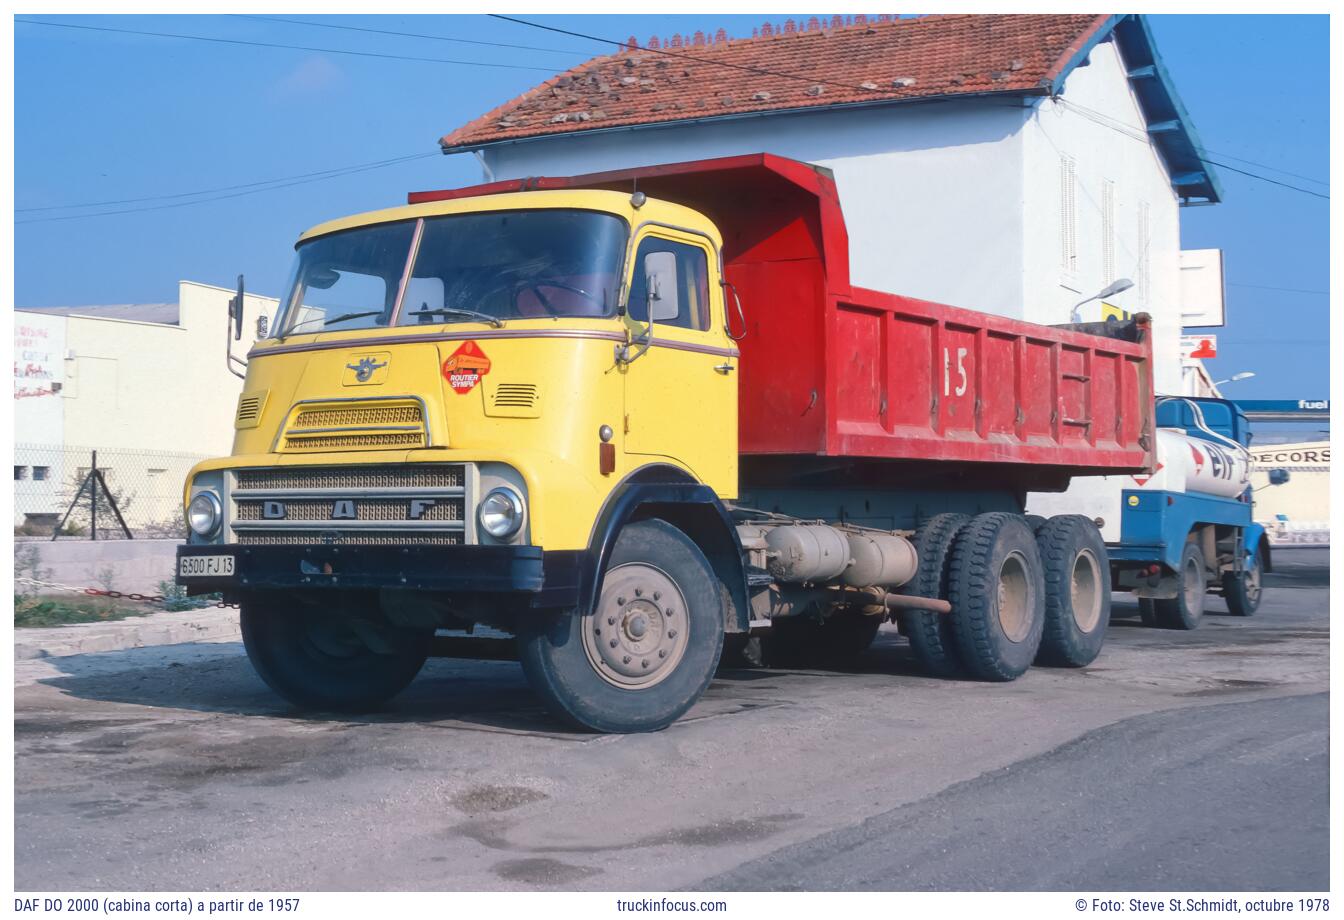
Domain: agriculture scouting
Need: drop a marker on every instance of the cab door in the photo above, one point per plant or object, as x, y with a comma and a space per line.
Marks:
680, 390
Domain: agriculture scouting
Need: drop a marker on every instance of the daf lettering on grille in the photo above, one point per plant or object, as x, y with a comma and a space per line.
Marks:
273, 511
418, 508
343, 510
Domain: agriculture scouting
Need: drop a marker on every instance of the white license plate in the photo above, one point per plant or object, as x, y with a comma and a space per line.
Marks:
204, 566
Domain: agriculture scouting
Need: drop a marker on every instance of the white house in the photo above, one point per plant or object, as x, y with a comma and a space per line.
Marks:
1015, 164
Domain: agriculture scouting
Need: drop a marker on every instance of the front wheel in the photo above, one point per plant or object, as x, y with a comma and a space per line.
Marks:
1243, 591
646, 652
318, 653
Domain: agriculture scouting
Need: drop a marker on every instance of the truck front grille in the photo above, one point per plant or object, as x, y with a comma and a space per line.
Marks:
326, 537
409, 504
345, 425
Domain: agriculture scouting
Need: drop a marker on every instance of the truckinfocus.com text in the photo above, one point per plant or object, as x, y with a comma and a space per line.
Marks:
654, 905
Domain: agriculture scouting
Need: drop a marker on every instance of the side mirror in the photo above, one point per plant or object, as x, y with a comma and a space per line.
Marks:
263, 326
1278, 477
660, 271
236, 311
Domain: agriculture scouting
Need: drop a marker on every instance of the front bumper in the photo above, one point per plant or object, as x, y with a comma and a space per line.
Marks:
550, 579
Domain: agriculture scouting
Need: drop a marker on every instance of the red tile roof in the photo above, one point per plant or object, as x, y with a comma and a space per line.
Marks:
809, 67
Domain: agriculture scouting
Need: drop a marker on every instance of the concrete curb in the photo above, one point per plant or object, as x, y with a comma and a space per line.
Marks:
210, 624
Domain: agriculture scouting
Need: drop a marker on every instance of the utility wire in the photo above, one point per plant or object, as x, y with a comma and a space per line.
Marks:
322, 173
239, 41
1108, 122
183, 204
1265, 287
437, 38
1296, 188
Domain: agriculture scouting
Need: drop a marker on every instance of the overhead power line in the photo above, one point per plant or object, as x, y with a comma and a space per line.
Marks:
238, 194
437, 38
1107, 121
322, 173
256, 44
1296, 188
1266, 287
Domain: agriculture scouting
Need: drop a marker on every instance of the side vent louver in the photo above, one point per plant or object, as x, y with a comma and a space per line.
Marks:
513, 400
249, 409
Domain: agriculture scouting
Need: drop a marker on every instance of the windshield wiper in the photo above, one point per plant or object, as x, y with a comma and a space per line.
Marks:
453, 311
335, 319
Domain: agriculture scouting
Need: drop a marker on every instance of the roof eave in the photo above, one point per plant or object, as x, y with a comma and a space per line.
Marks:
735, 116
1180, 148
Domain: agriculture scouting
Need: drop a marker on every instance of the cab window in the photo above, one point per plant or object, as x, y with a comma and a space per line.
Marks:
671, 280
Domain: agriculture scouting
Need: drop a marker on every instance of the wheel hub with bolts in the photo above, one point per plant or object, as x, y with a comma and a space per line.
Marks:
637, 635
1085, 591
1015, 598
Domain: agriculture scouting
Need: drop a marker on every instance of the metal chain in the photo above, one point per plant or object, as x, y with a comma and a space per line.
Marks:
99, 592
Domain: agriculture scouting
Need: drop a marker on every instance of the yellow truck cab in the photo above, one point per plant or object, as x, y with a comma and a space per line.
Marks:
434, 433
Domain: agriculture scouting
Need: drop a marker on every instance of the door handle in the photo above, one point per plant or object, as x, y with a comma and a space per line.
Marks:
724, 368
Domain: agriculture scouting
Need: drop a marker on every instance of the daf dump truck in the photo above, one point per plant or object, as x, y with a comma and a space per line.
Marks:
624, 416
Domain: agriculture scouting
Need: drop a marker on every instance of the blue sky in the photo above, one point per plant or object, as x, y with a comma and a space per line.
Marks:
101, 117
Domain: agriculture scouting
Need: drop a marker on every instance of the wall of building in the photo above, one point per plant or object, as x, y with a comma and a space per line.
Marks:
153, 386
1299, 510
1115, 216
152, 398
39, 410
932, 193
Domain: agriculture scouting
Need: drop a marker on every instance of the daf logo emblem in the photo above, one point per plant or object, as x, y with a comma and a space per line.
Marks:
365, 368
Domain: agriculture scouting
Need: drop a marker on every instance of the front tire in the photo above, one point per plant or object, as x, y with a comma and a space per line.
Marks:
323, 657
997, 596
1244, 591
646, 652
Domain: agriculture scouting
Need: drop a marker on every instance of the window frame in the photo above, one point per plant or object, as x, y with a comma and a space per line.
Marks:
686, 236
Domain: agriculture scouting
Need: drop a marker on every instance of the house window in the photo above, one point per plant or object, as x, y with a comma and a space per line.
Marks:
41, 473
1068, 216
1145, 239
20, 473
1107, 231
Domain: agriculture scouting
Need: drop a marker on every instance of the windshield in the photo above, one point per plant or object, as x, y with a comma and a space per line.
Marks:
484, 267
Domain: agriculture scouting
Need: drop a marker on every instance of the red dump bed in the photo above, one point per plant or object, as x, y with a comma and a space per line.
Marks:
829, 369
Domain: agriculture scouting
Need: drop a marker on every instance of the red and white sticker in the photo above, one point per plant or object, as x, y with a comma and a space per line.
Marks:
465, 367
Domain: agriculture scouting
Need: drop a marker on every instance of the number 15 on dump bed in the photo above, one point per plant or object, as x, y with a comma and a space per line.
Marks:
948, 372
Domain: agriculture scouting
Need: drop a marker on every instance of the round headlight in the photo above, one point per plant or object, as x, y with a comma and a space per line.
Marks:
501, 513
204, 514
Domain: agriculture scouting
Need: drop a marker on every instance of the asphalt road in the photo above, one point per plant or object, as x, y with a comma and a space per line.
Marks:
1177, 761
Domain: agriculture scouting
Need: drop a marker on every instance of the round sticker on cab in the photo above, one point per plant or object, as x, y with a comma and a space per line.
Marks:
465, 367
1133, 501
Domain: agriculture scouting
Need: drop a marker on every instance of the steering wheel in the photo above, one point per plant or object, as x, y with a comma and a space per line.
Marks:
536, 286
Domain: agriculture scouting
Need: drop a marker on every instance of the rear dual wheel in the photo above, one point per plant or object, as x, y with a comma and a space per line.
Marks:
1186, 609
1077, 581
997, 593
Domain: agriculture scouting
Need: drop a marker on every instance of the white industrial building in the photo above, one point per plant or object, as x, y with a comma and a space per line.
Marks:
145, 385
1011, 164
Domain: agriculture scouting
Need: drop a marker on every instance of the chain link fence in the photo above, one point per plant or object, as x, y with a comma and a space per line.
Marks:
52, 481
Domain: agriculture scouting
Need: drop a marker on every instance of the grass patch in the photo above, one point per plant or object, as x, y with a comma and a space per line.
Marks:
49, 611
